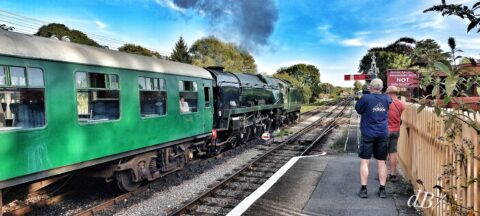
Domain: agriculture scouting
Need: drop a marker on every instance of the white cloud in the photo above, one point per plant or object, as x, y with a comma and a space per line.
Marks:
169, 4
100, 24
437, 22
353, 42
326, 35
360, 33
325, 27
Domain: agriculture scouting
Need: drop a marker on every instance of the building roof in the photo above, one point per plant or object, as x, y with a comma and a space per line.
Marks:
34, 47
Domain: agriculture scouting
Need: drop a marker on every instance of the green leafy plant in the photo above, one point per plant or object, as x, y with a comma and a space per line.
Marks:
450, 82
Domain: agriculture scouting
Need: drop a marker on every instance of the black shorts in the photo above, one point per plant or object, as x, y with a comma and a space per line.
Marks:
376, 146
392, 141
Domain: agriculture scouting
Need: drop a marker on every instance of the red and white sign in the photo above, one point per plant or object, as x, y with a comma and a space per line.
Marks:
402, 79
266, 136
356, 77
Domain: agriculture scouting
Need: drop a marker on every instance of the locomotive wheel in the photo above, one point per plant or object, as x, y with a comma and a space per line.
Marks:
124, 181
235, 141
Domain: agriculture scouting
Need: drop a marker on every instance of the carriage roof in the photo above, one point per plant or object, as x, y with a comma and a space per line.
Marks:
35, 47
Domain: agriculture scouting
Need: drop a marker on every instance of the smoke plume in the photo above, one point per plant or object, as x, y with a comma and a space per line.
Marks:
251, 20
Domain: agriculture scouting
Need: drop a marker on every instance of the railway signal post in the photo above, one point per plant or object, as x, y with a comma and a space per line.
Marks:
372, 72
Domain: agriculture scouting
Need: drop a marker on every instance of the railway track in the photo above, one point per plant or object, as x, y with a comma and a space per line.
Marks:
224, 196
101, 205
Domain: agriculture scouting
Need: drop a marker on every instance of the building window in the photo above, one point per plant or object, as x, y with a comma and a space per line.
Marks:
98, 97
22, 103
188, 100
153, 96
206, 93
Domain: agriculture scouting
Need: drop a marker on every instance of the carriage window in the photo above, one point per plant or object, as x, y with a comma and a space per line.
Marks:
188, 101
18, 77
35, 77
98, 97
22, 105
2, 76
153, 97
206, 93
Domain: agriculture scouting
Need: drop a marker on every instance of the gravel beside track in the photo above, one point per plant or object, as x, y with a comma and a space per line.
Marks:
170, 198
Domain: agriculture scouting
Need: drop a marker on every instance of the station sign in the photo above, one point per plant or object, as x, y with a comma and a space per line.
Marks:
348, 77
403, 79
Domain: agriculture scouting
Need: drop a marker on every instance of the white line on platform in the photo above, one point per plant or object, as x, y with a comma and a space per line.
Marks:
247, 202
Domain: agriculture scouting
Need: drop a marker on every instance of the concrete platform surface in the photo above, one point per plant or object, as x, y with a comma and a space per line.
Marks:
336, 192
325, 185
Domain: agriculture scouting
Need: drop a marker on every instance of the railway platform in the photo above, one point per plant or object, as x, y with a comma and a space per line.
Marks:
324, 185
327, 185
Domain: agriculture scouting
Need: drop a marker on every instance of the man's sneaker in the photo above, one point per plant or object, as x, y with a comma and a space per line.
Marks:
393, 178
363, 193
382, 194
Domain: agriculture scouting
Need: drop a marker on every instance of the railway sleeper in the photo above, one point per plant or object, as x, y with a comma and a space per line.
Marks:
220, 202
242, 186
209, 210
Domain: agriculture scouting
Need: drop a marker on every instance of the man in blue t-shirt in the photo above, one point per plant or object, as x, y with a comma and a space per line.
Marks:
374, 127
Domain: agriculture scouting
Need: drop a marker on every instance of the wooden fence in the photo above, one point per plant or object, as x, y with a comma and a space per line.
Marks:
423, 156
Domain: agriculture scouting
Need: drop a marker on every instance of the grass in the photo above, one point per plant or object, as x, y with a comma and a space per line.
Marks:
306, 108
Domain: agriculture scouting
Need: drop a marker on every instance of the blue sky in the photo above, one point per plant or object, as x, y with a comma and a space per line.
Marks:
333, 35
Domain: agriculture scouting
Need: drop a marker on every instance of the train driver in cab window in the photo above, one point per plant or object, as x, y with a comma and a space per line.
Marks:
184, 108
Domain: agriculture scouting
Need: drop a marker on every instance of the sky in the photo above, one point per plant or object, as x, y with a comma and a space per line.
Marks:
332, 35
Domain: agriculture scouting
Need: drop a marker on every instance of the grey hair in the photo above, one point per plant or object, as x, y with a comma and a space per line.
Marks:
376, 84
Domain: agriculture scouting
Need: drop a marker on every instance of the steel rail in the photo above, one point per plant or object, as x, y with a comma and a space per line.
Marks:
298, 134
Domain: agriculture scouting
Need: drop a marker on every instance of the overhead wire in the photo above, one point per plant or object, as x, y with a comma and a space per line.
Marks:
28, 25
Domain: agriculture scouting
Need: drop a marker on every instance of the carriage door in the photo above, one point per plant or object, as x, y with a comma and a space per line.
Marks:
208, 105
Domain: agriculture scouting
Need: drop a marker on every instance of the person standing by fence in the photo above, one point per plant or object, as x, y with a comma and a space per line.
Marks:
394, 121
374, 128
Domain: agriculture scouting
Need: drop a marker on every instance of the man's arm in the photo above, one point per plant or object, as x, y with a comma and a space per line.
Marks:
360, 106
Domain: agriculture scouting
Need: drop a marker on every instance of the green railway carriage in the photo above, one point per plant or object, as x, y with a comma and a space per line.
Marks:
66, 106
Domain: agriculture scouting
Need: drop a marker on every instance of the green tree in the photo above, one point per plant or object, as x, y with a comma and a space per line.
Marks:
139, 50
210, 51
180, 52
461, 11
326, 88
426, 52
308, 76
402, 54
357, 86
60, 30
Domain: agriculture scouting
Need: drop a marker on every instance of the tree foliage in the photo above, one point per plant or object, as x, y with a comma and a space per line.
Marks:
210, 51
402, 54
139, 50
461, 11
60, 30
307, 77
357, 86
427, 51
180, 52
